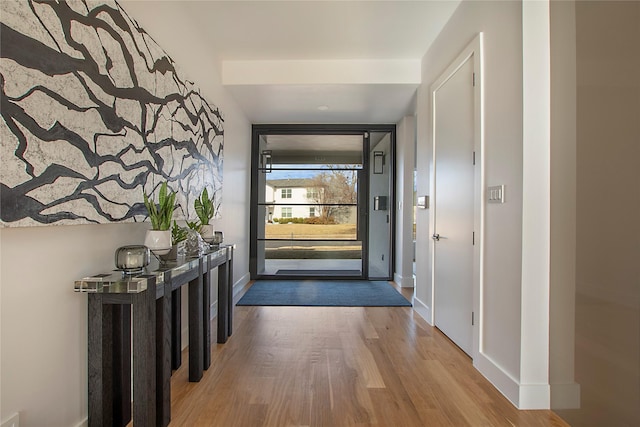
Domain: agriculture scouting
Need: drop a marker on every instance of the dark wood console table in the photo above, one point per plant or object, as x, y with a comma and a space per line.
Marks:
154, 298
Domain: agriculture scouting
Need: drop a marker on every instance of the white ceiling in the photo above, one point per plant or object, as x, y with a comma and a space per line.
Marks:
200, 35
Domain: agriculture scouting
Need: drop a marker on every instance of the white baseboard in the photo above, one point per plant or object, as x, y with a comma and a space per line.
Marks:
403, 281
422, 309
565, 396
523, 396
534, 396
240, 284
504, 382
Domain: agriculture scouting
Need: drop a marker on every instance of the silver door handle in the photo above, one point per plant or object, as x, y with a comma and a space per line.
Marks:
436, 237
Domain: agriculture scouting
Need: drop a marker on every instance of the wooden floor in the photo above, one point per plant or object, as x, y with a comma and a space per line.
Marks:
340, 366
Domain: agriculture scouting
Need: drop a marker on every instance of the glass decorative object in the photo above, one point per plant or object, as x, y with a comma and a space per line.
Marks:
132, 259
194, 245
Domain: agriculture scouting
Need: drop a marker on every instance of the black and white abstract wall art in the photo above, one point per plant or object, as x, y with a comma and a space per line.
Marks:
93, 114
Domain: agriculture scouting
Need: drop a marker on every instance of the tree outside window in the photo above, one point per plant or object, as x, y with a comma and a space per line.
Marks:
335, 186
312, 193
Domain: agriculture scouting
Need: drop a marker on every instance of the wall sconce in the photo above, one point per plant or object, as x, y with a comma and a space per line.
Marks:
378, 162
266, 160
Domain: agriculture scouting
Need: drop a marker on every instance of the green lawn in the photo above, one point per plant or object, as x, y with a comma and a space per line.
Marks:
310, 231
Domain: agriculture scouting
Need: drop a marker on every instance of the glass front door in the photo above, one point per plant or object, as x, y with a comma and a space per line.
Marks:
312, 210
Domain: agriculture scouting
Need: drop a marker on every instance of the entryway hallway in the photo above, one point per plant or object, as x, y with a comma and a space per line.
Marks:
341, 366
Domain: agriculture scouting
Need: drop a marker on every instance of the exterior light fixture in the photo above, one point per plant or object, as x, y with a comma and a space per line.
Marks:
266, 160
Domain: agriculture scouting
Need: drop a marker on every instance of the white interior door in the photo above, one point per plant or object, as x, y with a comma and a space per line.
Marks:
453, 104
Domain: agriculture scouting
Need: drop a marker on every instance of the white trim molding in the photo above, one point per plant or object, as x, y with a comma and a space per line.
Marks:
505, 383
240, 284
423, 310
536, 206
403, 281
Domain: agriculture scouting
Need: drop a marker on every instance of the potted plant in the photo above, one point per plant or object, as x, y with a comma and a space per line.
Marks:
194, 225
205, 210
178, 235
158, 239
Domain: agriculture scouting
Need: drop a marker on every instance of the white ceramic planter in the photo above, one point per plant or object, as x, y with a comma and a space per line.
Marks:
206, 231
158, 241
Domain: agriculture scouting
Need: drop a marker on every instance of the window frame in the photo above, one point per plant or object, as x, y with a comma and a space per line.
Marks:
286, 212
288, 194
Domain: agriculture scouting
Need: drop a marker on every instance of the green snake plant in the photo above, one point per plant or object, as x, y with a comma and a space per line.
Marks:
160, 214
178, 234
204, 207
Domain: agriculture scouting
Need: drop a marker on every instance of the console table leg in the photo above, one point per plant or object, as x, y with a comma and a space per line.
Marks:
223, 305
195, 329
144, 362
163, 361
121, 354
99, 363
229, 264
176, 328
206, 318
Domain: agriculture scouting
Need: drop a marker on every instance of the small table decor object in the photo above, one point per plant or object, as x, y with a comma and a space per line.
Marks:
132, 259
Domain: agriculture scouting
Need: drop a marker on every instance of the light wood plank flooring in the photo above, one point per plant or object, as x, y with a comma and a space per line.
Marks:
335, 366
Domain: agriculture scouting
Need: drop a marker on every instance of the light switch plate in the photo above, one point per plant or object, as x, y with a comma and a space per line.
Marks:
495, 194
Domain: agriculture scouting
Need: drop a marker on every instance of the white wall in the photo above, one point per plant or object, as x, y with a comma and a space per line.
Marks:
405, 160
44, 323
501, 23
595, 317
43, 363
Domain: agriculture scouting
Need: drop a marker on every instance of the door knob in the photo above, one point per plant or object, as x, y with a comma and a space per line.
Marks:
436, 237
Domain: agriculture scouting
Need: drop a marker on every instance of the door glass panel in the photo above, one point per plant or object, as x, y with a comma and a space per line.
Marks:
308, 197
304, 257
380, 208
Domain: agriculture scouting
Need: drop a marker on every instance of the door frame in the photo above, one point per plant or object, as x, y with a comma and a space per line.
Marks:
323, 129
472, 49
